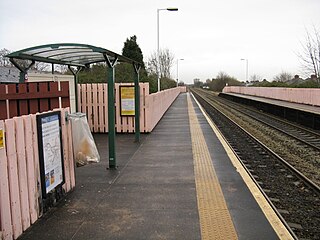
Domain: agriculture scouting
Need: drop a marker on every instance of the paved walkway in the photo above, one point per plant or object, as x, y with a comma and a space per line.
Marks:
152, 194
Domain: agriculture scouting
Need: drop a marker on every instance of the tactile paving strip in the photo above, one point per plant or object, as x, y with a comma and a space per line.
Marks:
215, 219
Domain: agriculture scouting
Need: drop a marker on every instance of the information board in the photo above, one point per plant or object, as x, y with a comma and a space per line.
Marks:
1, 138
50, 151
127, 101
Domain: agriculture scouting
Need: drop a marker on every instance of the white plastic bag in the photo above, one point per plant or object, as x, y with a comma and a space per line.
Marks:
84, 147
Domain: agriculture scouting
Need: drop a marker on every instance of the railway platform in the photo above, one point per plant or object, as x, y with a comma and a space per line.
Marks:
303, 114
180, 182
290, 105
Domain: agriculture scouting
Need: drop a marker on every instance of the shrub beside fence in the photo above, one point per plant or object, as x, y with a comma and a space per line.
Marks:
20, 185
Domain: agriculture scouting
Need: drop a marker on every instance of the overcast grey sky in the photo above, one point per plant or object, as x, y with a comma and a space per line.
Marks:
210, 35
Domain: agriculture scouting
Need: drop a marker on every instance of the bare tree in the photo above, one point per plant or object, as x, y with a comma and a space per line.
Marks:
310, 53
41, 66
283, 77
164, 63
3, 60
61, 68
255, 78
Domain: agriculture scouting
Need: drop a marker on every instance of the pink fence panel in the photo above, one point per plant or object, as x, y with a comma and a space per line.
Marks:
31, 170
13, 178
69, 167
310, 96
93, 99
144, 92
22, 171
5, 207
37, 181
157, 104
20, 185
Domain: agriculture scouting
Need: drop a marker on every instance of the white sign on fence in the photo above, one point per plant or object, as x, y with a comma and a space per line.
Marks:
127, 101
51, 158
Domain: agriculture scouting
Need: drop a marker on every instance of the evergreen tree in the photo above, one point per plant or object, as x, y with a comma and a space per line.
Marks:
132, 50
124, 71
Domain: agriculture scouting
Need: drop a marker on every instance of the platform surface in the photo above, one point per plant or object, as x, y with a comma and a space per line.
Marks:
292, 105
157, 192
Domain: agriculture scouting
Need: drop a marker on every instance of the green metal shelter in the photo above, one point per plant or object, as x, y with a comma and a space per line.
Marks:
81, 56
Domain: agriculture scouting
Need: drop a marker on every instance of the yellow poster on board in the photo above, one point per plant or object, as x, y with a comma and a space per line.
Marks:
127, 100
1, 138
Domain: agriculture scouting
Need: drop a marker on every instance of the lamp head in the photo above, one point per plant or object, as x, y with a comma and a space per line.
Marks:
172, 9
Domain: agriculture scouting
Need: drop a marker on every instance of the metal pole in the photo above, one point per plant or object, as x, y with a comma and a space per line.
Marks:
111, 119
158, 52
247, 67
75, 76
158, 48
247, 70
177, 71
137, 104
111, 111
22, 76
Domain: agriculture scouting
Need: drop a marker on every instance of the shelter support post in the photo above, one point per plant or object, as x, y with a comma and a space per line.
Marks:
111, 112
75, 75
23, 70
136, 102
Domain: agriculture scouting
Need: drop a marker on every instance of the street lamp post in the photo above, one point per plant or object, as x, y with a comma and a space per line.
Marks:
181, 59
247, 67
158, 48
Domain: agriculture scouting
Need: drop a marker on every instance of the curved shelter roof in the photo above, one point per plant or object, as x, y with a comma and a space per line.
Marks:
72, 54
82, 55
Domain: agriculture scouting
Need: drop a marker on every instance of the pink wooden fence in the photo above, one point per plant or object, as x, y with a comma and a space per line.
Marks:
20, 185
93, 100
158, 103
309, 96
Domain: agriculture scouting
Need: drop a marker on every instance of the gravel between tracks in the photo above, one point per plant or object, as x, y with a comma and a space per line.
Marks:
305, 159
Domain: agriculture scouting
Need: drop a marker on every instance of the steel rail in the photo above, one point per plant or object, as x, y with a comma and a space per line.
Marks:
297, 172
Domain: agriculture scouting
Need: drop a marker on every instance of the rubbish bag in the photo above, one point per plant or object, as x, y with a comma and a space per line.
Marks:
84, 147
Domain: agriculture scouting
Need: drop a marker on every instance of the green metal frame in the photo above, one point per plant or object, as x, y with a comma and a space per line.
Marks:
23, 70
137, 102
80, 56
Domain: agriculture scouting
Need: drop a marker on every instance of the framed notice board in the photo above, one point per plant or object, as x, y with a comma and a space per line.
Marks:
50, 151
127, 101
1, 138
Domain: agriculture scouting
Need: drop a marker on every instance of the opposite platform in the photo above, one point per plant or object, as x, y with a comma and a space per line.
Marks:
162, 189
292, 105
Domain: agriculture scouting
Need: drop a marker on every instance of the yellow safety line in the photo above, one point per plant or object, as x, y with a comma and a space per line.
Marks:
272, 217
215, 219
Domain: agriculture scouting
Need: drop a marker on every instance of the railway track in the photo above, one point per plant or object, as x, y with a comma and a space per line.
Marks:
298, 145
295, 198
302, 134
